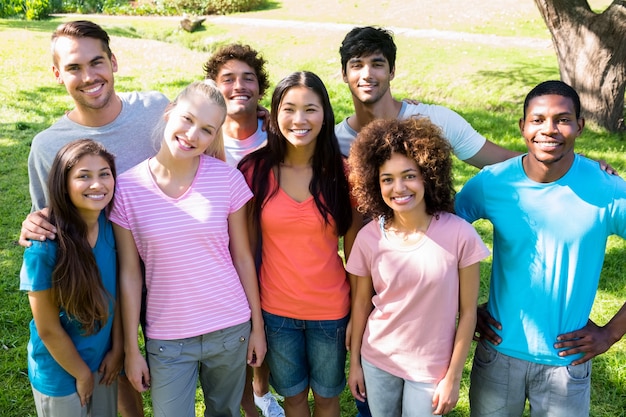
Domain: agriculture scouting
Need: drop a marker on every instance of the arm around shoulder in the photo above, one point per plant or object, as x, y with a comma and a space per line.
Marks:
490, 154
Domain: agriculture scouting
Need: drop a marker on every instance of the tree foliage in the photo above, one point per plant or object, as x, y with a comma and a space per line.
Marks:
591, 51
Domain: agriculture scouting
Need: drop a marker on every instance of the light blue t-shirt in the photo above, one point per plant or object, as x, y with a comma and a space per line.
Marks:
45, 374
548, 248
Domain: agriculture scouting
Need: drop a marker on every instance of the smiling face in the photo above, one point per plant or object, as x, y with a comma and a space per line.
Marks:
368, 77
300, 116
401, 185
82, 65
550, 129
238, 83
192, 125
90, 184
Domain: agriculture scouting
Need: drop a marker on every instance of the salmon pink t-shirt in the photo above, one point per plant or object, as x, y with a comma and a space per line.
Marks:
302, 275
411, 330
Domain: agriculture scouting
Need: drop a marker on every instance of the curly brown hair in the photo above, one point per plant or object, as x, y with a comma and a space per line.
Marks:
416, 138
243, 53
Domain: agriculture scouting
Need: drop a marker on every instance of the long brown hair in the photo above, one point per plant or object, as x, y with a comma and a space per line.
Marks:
76, 282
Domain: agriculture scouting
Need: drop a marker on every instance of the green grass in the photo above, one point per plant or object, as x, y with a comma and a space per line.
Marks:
484, 84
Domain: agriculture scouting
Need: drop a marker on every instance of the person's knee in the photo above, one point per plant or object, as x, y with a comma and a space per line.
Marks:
325, 402
298, 399
129, 401
261, 382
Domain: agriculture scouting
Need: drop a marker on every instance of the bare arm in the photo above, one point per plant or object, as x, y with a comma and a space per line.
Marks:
131, 283
348, 242
361, 309
59, 343
36, 227
113, 361
244, 264
447, 391
593, 340
490, 154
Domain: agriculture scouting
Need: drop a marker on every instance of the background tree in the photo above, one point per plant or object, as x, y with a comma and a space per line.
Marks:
591, 51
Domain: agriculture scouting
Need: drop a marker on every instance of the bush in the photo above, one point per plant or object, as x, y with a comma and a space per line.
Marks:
204, 7
231, 6
29, 9
40, 9
10, 8
83, 6
36, 9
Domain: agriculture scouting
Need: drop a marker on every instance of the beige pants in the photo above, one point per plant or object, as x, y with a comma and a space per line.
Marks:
103, 403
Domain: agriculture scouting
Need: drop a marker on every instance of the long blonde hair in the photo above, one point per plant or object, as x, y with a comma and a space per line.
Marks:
208, 90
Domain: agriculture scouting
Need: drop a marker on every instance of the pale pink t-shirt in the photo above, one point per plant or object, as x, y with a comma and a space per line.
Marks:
410, 332
193, 287
302, 275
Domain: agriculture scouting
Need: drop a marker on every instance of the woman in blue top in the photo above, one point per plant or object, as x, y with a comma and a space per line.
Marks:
75, 351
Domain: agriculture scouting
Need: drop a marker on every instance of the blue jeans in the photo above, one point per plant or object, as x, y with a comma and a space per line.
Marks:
362, 408
501, 384
306, 353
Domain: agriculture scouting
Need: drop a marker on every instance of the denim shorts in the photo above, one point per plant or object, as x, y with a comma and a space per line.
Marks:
306, 353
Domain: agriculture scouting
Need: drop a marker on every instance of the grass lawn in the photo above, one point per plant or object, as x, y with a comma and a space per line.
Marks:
484, 83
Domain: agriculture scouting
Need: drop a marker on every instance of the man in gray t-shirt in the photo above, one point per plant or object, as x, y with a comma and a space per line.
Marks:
123, 123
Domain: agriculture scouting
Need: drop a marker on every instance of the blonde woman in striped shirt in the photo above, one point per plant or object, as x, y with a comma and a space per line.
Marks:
182, 213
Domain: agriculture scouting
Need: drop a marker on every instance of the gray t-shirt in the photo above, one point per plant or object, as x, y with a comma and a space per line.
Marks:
128, 137
463, 138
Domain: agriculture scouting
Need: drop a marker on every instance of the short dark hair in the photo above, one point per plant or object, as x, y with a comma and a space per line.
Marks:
243, 53
81, 29
555, 87
367, 40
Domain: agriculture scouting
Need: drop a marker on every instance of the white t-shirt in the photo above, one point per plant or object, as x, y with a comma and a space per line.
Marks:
236, 149
464, 139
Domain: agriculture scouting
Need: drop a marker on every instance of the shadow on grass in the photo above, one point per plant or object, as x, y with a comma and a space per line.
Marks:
49, 25
268, 5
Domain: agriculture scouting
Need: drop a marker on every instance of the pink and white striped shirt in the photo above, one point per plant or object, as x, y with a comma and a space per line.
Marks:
193, 287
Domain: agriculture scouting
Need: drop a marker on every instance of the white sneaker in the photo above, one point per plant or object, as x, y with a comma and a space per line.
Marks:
269, 406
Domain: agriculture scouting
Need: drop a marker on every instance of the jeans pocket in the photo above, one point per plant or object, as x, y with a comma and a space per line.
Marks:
235, 340
485, 354
579, 372
273, 323
164, 349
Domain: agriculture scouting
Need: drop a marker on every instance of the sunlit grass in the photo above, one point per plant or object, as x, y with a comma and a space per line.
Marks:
484, 84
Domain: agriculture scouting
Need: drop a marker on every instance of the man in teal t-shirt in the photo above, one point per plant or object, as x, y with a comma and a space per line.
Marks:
552, 212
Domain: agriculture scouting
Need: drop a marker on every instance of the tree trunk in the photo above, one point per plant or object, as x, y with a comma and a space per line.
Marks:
591, 51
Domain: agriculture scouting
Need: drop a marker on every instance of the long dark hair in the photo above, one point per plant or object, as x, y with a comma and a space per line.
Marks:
76, 283
329, 185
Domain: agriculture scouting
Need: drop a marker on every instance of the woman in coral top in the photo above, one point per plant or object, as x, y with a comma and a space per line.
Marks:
301, 208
